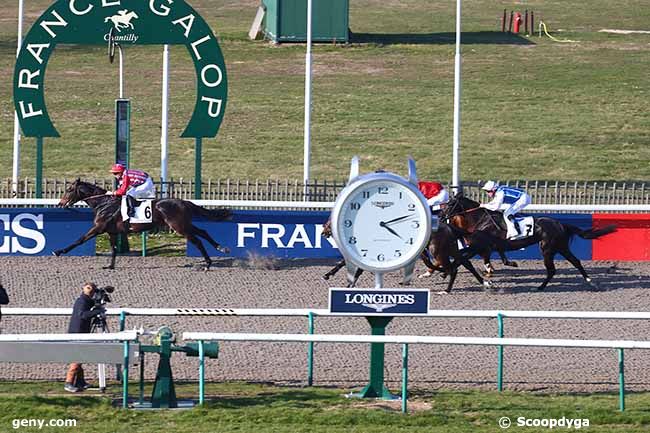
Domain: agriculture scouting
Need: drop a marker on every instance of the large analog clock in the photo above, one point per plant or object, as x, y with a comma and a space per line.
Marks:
381, 222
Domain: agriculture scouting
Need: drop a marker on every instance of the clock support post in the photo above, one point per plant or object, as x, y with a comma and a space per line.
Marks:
376, 387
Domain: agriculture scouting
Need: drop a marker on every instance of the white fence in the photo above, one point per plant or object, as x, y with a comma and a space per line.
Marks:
328, 205
500, 342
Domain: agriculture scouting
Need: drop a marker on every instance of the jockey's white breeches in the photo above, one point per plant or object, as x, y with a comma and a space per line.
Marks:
435, 201
144, 191
517, 206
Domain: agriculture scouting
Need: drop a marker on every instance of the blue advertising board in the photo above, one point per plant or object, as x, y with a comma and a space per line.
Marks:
282, 234
297, 234
379, 302
39, 231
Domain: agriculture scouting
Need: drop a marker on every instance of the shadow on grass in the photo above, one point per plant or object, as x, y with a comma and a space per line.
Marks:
294, 398
61, 401
439, 38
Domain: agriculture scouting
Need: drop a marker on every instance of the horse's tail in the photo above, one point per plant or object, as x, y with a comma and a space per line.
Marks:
218, 214
590, 233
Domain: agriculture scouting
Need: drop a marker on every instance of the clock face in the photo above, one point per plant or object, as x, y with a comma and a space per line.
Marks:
382, 224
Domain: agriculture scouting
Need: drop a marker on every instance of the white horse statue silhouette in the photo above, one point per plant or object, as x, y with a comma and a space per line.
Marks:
122, 20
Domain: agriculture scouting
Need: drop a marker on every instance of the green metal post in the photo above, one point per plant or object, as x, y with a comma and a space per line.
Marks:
500, 354
39, 167
201, 373
144, 244
310, 352
405, 376
118, 367
197, 168
621, 380
141, 378
122, 152
376, 387
125, 377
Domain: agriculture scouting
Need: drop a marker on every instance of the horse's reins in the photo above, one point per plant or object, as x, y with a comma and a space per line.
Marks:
487, 213
94, 196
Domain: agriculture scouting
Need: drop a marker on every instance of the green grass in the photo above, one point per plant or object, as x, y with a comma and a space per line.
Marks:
237, 407
532, 108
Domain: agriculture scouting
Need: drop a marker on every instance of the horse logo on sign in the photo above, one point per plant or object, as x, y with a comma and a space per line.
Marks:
122, 20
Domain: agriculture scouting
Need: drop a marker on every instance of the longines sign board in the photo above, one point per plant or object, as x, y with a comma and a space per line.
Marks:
171, 22
379, 302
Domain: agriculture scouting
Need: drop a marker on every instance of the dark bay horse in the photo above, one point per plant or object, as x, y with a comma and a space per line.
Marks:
442, 247
487, 233
173, 213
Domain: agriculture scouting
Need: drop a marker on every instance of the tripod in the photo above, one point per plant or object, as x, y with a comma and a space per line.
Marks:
99, 324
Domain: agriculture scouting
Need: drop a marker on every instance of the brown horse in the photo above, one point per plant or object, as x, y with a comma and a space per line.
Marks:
173, 213
487, 233
442, 247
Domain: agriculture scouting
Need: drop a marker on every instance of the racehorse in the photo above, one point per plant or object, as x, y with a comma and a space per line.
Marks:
487, 233
173, 213
442, 245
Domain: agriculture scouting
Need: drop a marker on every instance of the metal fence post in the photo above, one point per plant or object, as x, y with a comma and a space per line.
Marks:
405, 376
621, 380
201, 373
500, 354
310, 352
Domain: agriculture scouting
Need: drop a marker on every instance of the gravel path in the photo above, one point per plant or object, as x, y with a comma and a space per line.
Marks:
173, 282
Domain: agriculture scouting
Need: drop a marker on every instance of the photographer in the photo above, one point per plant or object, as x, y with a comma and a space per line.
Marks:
80, 323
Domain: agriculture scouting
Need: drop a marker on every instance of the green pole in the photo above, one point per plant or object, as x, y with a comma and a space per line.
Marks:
197, 168
500, 354
621, 380
376, 387
310, 352
405, 376
141, 378
201, 373
39, 167
118, 370
125, 377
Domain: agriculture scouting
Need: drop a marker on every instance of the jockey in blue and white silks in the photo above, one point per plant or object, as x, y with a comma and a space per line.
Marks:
515, 198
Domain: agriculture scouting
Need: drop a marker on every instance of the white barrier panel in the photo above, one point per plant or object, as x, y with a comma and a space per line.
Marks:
414, 339
109, 336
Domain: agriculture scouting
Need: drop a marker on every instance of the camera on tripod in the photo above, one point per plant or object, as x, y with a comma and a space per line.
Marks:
101, 298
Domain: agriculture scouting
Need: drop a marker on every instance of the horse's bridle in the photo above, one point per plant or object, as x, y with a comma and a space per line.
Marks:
451, 212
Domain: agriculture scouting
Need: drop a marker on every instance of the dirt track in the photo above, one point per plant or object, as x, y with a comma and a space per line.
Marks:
173, 282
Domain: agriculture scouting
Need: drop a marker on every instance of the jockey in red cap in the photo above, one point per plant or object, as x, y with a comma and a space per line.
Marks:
133, 183
435, 193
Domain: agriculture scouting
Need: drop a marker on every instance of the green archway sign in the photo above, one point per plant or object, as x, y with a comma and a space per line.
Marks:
171, 22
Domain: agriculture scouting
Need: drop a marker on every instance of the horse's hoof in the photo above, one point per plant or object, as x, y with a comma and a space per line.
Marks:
56, 253
325, 277
442, 292
225, 250
512, 264
425, 275
110, 268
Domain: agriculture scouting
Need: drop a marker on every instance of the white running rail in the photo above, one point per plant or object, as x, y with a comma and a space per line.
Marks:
329, 205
